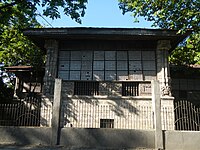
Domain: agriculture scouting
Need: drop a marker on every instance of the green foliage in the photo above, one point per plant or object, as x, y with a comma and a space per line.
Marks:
16, 49
24, 12
188, 52
170, 14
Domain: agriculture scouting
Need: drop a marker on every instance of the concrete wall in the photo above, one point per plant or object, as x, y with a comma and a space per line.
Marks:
100, 138
182, 140
127, 113
106, 138
25, 136
79, 137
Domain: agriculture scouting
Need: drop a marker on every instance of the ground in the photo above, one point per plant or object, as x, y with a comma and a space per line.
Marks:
15, 147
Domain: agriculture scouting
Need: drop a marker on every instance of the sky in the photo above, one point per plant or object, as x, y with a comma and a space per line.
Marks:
99, 13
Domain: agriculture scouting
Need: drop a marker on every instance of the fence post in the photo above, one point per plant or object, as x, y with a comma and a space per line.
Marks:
156, 101
56, 112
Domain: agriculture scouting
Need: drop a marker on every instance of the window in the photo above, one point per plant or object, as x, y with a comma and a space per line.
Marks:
86, 88
87, 65
183, 94
130, 89
106, 123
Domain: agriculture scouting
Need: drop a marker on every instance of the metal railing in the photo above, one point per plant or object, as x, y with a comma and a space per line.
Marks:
130, 88
25, 112
187, 116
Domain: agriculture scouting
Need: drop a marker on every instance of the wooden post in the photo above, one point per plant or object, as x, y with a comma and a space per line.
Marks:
156, 101
56, 112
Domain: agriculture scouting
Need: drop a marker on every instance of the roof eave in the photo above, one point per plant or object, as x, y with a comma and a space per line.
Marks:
38, 35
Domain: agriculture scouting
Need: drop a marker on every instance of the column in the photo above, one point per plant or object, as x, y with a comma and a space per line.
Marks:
156, 105
163, 67
56, 112
51, 67
163, 76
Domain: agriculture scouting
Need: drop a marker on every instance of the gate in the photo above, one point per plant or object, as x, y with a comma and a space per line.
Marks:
25, 112
187, 115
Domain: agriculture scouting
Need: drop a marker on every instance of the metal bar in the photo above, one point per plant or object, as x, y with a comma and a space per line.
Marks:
198, 123
190, 116
180, 114
195, 116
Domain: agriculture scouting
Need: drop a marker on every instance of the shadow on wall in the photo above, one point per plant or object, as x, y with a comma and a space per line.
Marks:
74, 104
86, 111
106, 138
25, 136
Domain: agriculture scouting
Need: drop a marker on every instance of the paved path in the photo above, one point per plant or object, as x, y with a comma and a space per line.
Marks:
14, 147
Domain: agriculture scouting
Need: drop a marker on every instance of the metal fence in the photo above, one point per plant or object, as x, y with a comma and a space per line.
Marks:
25, 112
187, 116
82, 112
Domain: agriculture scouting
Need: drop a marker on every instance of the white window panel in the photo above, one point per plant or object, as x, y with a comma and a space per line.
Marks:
74, 75
75, 65
121, 55
86, 65
134, 55
86, 75
149, 65
110, 75
135, 75
98, 65
122, 65
76, 55
64, 65
135, 65
63, 75
148, 55
110, 65
86, 55
110, 55
122, 75
98, 55
98, 75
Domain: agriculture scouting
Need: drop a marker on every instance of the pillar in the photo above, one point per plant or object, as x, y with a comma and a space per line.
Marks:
51, 67
163, 76
163, 67
56, 112
156, 105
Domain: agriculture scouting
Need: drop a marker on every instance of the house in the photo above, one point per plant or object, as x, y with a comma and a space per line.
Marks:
186, 83
107, 74
186, 90
26, 80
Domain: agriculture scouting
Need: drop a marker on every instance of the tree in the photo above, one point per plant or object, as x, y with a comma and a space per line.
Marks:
188, 52
170, 14
15, 49
24, 12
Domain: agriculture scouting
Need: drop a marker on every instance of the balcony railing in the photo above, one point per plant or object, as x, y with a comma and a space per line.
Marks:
127, 88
